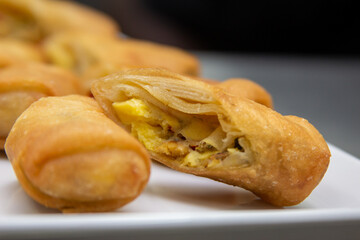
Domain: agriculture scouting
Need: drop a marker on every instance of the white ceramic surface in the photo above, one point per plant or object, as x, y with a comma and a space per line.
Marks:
184, 203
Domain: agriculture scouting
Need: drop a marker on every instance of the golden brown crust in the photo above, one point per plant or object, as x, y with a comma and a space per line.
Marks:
23, 84
40, 18
289, 156
68, 155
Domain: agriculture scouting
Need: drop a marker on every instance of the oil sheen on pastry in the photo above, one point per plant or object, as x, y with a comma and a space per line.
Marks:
69, 156
197, 128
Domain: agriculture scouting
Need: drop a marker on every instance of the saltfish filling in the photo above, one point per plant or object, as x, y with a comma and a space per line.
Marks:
194, 141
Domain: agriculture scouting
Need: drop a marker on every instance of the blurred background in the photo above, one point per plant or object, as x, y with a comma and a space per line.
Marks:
305, 53
278, 26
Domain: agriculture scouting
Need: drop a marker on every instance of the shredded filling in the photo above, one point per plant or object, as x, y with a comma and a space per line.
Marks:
195, 141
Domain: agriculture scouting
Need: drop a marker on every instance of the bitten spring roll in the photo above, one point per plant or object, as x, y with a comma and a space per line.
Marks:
197, 128
68, 155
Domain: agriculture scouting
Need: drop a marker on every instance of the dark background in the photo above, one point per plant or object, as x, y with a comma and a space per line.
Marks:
278, 26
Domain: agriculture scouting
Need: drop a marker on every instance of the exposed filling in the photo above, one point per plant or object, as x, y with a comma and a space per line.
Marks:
195, 141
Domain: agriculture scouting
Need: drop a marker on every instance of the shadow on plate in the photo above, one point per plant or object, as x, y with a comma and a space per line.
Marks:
215, 198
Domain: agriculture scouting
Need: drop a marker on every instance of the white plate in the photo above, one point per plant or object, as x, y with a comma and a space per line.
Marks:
182, 206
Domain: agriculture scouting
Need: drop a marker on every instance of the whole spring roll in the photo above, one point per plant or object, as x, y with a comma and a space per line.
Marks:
69, 156
23, 84
33, 20
197, 128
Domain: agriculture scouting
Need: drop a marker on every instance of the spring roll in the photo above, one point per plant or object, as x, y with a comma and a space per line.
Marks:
197, 128
33, 20
69, 156
23, 84
92, 56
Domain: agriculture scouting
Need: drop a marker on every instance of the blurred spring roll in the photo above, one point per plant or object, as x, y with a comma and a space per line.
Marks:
197, 128
92, 56
23, 84
69, 156
32, 20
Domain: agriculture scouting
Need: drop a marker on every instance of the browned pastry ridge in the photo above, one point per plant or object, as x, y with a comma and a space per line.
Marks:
197, 128
32, 20
23, 84
93, 55
69, 156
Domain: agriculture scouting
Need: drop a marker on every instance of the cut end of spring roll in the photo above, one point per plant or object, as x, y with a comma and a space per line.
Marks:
197, 128
69, 156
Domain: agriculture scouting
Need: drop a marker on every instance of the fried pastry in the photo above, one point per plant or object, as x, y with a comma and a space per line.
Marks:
197, 128
14, 52
68, 155
23, 84
93, 56
33, 20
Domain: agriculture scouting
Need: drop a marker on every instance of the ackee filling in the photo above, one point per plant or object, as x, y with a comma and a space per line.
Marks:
195, 141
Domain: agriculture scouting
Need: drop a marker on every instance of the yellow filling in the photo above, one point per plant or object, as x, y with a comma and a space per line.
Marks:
190, 140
